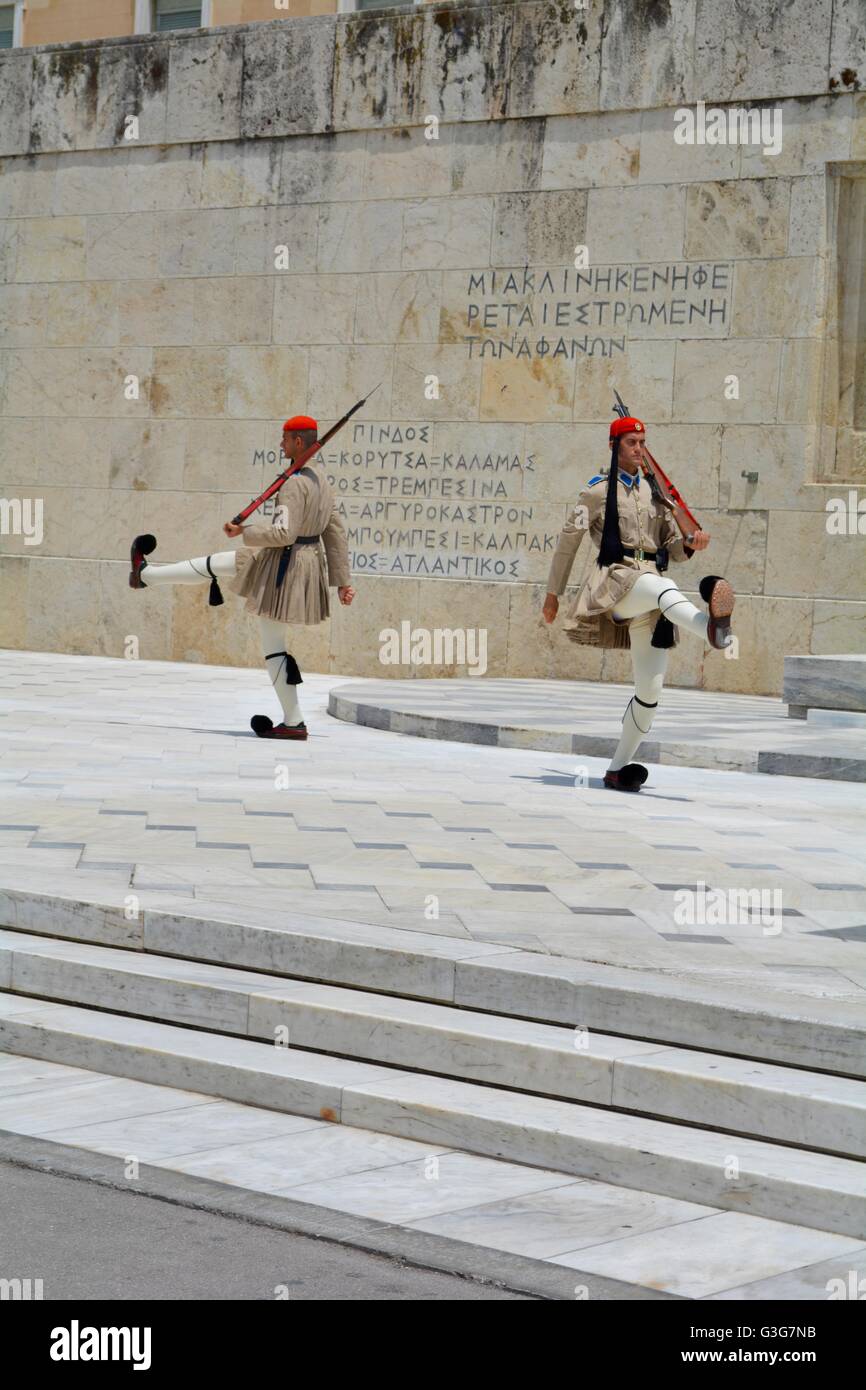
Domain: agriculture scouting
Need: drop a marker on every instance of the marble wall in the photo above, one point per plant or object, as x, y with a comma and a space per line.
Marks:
282, 233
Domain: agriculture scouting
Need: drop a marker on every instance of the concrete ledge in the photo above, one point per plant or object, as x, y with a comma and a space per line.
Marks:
824, 682
731, 733
394, 67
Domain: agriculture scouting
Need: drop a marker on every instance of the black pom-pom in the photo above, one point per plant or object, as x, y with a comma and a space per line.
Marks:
633, 775
261, 724
706, 586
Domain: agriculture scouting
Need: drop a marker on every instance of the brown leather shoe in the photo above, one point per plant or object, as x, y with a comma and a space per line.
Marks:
288, 731
266, 728
627, 779
720, 599
141, 547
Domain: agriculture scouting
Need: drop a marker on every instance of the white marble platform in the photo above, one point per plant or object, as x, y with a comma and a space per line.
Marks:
662, 1243
775, 1181
142, 778
693, 728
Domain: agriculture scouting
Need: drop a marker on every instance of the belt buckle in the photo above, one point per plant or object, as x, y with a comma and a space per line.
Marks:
640, 555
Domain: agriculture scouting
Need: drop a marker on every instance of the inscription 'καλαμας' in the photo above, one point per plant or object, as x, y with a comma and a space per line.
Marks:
414, 507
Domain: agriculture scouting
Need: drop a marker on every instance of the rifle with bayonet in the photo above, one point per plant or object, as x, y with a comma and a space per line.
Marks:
298, 463
662, 487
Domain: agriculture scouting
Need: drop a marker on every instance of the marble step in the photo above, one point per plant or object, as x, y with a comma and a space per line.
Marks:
755, 1098
745, 1020
745, 1175
382, 1191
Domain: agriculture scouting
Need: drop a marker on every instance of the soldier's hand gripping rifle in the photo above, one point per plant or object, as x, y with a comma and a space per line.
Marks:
298, 463
662, 487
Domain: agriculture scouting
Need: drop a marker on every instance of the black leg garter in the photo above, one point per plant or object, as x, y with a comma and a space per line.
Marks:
293, 674
630, 710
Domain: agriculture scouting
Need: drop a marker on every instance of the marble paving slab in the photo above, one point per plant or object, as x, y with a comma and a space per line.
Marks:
314, 1156
170, 744
560, 1220
701, 1258
189, 1130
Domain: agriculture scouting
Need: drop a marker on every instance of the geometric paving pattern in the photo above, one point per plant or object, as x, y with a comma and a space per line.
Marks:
121, 777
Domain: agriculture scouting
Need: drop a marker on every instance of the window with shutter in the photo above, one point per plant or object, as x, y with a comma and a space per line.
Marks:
7, 25
177, 14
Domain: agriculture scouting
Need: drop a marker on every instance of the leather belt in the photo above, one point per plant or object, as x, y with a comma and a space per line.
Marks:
287, 554
660, 556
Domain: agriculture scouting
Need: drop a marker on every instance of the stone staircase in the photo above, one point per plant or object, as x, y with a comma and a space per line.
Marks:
751, 1103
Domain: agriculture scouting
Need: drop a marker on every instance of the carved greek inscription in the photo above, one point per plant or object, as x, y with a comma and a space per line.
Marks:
571, 313
411, 507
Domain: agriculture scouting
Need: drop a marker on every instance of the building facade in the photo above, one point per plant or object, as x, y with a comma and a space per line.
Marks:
30, 22
497, 213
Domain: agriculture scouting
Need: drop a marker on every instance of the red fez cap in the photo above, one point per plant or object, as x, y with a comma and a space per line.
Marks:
628, 425
301, 422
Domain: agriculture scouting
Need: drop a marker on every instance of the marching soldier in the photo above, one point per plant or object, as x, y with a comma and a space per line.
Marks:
626, 598
280, 570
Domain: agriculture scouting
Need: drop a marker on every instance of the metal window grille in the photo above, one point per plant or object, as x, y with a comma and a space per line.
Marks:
7, 25
177, 14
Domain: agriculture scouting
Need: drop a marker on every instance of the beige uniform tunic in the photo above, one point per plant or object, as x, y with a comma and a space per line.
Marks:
643, 525
304, 507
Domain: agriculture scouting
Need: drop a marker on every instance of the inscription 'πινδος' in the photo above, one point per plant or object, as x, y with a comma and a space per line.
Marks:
569, 313
414, 505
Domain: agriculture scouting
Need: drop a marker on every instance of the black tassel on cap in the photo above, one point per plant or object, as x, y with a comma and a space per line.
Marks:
610, 552
215, 597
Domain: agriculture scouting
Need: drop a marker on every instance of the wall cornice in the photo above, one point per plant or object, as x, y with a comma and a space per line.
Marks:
398, 66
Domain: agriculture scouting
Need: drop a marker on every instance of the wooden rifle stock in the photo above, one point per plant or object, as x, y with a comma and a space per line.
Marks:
669, 495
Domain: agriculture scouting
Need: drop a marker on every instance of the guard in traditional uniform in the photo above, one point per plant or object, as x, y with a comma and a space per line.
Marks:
626, 598
280, 570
